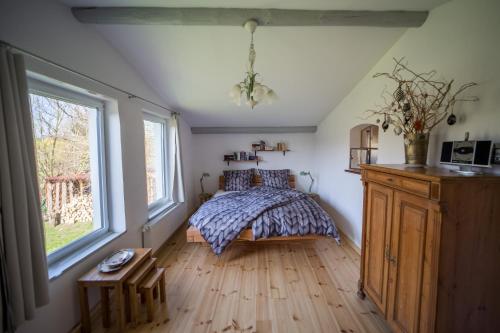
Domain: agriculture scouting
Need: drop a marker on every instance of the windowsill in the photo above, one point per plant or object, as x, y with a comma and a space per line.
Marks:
59, 267
161, 215
356, 171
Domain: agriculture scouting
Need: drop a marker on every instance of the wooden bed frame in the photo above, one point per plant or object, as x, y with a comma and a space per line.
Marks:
194, 235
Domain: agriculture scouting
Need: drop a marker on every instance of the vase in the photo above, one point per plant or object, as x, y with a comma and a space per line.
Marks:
416, 146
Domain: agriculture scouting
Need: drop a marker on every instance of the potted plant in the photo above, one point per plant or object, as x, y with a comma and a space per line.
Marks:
417, 105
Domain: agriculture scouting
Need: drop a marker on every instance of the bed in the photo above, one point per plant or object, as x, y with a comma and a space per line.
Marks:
259, 214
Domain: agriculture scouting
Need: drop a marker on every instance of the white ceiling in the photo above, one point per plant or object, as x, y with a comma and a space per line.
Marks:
311, 68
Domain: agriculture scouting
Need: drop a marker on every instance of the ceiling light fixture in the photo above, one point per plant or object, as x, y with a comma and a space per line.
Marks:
250, 87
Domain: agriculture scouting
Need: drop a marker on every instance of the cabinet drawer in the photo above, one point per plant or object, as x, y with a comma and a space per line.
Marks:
415, 186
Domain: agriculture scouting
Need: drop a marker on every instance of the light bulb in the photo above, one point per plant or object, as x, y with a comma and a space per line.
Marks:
235, 91
251, 103
258, 92
271, 96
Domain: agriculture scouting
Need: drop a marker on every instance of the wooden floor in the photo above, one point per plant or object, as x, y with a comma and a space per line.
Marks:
305, 286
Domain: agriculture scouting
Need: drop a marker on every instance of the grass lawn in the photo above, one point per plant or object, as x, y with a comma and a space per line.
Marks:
56, 237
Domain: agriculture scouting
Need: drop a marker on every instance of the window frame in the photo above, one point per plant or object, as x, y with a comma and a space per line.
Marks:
164, 203
61, 92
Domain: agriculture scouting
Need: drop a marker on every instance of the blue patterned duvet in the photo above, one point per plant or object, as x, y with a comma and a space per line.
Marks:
269, 211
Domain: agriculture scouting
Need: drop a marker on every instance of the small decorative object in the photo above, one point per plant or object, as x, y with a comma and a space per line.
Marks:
116, 260
398, 130
251, 157
205, 174
399, 95
255, 146
419, 103
452, 119
281, 146
359, 156
262, 145
307, 173
229, 157
385, 124
243, 155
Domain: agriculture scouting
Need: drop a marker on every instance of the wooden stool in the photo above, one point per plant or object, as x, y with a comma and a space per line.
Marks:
106, 309
133, 284
155, 279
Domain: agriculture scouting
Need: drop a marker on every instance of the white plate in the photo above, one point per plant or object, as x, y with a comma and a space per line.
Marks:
116, 260
107, 269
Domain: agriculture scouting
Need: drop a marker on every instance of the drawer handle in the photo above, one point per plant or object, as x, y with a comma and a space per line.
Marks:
393, 260
390, 179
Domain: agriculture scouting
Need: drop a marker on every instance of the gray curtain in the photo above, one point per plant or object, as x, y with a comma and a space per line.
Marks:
175, 161
24, 275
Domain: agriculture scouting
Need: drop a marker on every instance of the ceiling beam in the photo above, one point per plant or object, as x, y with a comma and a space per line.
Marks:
253, 130
237, 16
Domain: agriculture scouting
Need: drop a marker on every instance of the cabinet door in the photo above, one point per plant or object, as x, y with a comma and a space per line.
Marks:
409, 268
378, 224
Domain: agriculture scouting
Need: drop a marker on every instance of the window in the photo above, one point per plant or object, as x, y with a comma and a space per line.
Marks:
69, 144
363, 146
155, 144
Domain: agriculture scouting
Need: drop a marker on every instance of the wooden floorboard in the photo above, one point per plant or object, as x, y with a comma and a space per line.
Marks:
298, 286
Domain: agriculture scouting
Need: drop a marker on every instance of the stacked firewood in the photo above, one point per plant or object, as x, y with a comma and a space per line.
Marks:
78, 210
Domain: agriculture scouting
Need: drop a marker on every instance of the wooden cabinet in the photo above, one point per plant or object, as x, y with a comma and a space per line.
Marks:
412, 219
378, 229
204, 197
421, 228
314, 196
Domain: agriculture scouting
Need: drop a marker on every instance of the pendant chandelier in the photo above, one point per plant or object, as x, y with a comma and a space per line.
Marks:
251, 88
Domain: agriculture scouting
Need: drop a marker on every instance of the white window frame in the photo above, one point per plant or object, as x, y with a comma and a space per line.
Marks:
161, 205
98, 164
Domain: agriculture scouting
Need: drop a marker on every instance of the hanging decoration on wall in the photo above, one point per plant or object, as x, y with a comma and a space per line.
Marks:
419, 103
253, 90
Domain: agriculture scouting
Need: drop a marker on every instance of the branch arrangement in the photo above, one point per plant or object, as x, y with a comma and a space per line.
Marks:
420, 102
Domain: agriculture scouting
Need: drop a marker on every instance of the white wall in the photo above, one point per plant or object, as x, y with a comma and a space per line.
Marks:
460, 41
209, 150
48, 29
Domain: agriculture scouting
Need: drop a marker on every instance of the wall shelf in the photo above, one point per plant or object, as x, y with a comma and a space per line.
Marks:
240, 161
271, 151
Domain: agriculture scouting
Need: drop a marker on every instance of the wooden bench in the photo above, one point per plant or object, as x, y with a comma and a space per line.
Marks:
155, 280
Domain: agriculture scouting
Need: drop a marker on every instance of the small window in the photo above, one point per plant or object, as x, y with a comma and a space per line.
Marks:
155, 144
363, 144
69, 150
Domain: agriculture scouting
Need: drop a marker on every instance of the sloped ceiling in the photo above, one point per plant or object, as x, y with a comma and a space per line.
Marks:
311, 68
